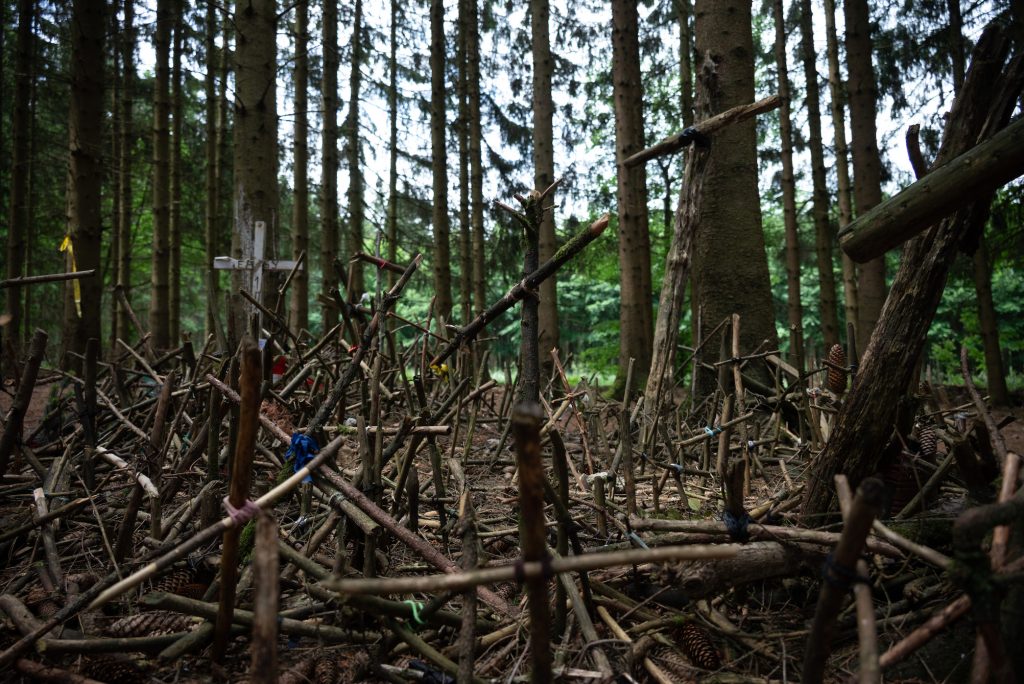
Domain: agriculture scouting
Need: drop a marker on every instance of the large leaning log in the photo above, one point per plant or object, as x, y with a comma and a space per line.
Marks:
969, 177
864, 425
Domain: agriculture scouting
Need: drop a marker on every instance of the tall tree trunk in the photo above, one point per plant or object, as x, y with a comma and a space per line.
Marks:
392, 215
465, 258
794, 308
355, 173
476, 174
837, 98
823, 242
544, 174
255, 127
212, 192
174, 225
300, 217
635, 323
439, 165
989, 324
116, 83
159, 314
684, 15
867, 164
18, 224
124, 223
329, 165
730, 266
85, 178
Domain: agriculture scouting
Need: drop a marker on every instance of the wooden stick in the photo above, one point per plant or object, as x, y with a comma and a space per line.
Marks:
467, 631
867, 635
263, 666
49, 278
674, 143
238, 491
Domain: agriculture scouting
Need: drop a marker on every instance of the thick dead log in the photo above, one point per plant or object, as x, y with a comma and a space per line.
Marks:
955, 184
865, 422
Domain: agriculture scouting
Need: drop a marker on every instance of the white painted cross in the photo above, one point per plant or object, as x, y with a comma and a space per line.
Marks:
252, 261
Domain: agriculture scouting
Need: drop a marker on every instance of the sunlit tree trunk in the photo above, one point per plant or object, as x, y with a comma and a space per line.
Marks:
174, 225
18, 206
329, 164
476, 174
85, 177
355, 172
730, 266
867, 164
255, 131
823, 242
299, 310
794, 308
465, 258
635, 322
544, 174
439, 165
842, 163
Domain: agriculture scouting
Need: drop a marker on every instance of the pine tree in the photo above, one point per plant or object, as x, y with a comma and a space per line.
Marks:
355, 172
439, 165
299, 310
329, 161
159, 315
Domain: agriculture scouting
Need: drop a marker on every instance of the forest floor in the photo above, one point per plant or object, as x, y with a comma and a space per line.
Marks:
741, 619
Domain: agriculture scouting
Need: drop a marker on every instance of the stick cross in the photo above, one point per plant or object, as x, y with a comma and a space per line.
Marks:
253, 262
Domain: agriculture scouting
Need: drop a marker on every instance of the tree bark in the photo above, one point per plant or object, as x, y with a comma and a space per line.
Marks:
476, 174
465, 255
544, 175
864, 424
794, 307
211, 201
124, 181
255, 134
867, 164
684, 15
174, 224
392, 215
20, 164
439, 165
85, 177
299, 309
329, 165
987, 320
835, 82
729, 261
355, 172
635, 323
159, 312
823, 242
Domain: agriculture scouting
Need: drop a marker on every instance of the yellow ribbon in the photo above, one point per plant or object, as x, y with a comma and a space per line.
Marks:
440, 371
68, 246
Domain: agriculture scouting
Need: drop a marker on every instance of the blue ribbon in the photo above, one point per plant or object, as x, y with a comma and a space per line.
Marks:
303, 448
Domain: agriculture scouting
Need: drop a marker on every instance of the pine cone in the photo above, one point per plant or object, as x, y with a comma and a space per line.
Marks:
837, 378
112, 670
926, 437
152, 623
326, 670
698, 647
675, 664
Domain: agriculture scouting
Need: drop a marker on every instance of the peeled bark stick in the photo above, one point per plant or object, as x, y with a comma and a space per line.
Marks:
467, 630
49, 543
428, 552
840, 573
522, 289
707, 127
980, 170
12, 428
527, 417
867, 635
250, 377
369, 336
263, 666
48, 278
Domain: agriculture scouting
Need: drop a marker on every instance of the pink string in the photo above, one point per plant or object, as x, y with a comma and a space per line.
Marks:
241, 515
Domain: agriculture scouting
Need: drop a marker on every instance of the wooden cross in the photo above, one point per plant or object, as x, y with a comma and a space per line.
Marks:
252, 262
